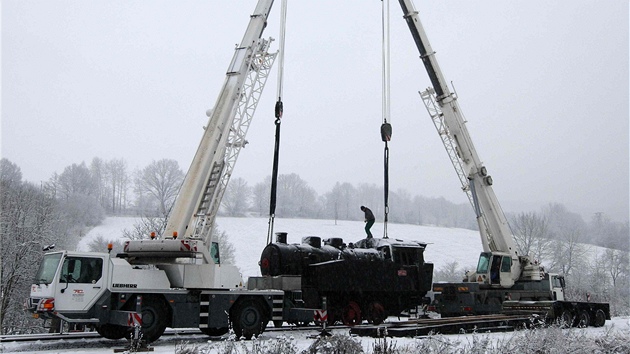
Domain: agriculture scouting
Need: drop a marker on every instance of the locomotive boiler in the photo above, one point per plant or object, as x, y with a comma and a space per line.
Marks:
369, 279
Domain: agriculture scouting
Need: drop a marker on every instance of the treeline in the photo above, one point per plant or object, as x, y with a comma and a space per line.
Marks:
296, 199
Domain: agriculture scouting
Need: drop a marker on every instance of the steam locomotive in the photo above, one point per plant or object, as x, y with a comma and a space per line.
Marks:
369, 279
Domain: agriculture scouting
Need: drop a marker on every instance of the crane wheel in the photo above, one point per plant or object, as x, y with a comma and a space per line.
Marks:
600, 318
566, 319
584, 319
248, 318
154, 318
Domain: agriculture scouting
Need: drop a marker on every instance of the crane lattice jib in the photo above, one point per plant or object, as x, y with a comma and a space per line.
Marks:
449, 121
435, 112
260, 64
430, 102
195, 208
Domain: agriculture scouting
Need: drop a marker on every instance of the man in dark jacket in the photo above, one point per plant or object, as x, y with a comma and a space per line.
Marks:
369, 220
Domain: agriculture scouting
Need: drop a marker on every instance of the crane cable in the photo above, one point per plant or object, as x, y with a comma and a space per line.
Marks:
278, 114
386, 127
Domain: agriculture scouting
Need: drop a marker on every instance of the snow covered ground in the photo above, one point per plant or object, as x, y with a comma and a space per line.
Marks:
249, 237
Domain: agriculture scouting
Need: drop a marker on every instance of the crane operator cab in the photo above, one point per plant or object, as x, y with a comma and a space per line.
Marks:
494, 269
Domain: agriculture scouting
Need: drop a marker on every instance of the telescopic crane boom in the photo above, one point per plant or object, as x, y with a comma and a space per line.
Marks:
499, 250
188, 232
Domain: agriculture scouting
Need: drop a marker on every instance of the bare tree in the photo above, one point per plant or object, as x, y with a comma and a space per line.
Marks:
100, 244
531, 233
236, 198
295, 197
98, 171
145, 227
227, 251
450, 272
161, 180
260, 196
28, 221
569, 251
75, 180
118, 183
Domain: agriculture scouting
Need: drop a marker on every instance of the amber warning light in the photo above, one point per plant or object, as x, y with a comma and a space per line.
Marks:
152, 235
110, 247
174, 234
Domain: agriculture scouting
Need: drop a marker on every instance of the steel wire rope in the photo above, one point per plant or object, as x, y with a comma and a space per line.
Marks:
278, 111
386, 128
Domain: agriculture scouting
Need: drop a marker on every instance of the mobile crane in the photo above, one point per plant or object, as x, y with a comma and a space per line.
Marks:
502, 272
176, 280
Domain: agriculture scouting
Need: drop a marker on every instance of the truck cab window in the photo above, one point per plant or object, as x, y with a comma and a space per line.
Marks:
47, 269
214, 253
484, 262
81, 270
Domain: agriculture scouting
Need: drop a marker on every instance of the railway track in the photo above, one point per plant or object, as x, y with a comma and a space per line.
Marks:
408, 328
448, 325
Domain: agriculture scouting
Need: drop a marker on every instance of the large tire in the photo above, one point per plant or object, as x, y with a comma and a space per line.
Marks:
249, 318
214, 332
566, 319
154, 318
583, 319
111, 331
600, 318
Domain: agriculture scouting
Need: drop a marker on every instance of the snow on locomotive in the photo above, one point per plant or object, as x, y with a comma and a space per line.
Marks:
369, 279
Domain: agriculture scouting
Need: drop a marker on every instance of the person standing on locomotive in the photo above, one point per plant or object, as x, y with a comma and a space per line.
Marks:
369, 220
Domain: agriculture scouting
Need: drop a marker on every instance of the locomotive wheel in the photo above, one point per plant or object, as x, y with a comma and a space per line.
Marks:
376, 313
351, 314
333, 316
248, 319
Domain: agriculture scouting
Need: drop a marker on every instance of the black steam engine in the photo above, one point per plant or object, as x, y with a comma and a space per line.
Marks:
370, 279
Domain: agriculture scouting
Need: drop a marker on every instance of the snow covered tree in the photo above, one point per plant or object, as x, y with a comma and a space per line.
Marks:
531, 234
99, 244
29, 220
118, 182
260, 196
295, 197
161, 181
236, 198
98, 171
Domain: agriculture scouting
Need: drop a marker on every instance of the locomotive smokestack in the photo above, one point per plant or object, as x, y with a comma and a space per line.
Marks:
281, 237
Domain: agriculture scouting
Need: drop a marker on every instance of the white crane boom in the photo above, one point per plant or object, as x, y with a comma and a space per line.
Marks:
188, 233
497, 240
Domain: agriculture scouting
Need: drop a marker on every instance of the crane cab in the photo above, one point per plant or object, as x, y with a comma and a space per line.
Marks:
494, 269
68, 281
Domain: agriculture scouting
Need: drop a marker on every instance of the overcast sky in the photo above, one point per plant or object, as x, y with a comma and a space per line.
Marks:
543, 85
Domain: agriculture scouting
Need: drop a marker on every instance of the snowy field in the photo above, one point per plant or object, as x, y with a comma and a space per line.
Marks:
248, 235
